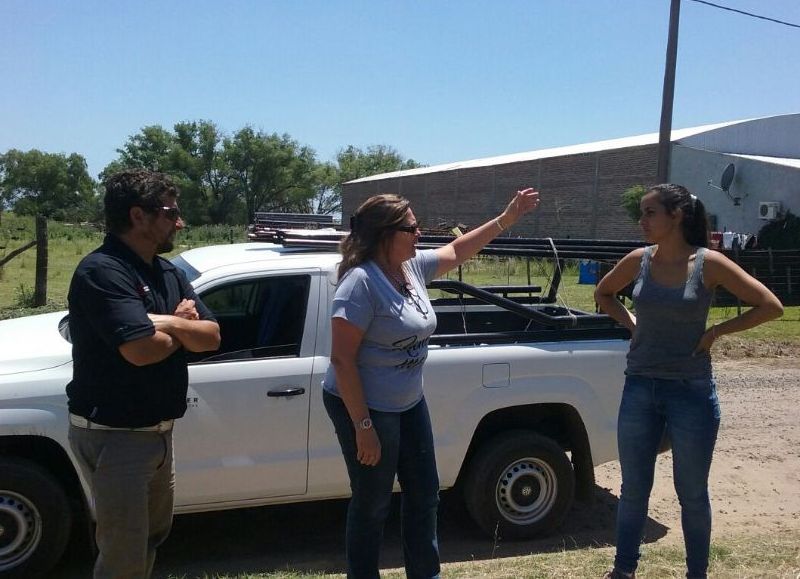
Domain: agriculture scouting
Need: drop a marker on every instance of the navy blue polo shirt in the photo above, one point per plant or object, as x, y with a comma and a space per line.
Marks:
110, 295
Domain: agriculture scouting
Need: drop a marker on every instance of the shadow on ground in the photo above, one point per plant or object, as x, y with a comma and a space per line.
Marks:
309, 537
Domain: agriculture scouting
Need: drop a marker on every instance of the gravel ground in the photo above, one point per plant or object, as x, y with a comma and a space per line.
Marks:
755, 476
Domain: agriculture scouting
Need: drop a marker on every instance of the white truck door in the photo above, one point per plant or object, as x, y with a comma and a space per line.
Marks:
245, 433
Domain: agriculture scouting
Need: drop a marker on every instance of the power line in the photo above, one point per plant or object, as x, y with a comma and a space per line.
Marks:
747, 13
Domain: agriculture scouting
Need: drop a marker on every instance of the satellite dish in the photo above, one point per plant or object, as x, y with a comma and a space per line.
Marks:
725, 184
727, 177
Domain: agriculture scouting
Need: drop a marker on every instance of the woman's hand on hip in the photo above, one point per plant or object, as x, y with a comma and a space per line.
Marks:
706, 341
368, 447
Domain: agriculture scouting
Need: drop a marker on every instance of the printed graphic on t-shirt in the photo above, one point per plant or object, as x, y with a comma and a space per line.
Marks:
415, 349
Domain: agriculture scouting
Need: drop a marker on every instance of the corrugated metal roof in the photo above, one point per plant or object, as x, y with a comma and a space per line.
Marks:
776, 136
795, 163
635, 141
772, 136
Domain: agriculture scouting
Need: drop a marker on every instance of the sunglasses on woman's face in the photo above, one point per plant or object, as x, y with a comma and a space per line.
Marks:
410, 228
171, 213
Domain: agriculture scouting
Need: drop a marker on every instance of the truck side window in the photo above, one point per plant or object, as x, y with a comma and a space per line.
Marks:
261, 318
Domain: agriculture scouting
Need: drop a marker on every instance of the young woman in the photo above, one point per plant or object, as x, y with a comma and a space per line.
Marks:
381, 322
669, 383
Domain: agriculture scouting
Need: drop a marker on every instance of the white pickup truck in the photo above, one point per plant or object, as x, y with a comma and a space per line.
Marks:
523, 396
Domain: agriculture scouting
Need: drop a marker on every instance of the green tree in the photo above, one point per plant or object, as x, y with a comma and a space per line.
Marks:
272, 172
225, 179
192, 155
631, 198
355, 163
325, 199
54, 185
49, 186
209, 183
149, 149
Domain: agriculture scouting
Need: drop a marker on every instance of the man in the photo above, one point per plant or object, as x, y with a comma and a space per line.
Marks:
133, 316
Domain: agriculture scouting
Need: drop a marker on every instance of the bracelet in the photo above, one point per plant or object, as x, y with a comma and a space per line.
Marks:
499, 225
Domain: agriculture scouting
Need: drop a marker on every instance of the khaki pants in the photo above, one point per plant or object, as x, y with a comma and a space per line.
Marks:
132, 477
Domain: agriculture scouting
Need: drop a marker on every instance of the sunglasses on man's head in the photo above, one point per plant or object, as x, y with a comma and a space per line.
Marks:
410, 228
171, 213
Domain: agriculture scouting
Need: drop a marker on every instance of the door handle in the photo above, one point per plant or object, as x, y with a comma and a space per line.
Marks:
286, 391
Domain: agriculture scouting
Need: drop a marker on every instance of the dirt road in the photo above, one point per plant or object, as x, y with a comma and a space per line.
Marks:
755, 476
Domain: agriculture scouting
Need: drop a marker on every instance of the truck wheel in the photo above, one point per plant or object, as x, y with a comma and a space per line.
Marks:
35, 519
519, 485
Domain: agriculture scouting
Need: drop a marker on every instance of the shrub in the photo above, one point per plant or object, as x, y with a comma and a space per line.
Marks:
631, 198
781, 234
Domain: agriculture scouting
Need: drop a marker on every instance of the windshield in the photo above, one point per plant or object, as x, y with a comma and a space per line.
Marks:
191, 273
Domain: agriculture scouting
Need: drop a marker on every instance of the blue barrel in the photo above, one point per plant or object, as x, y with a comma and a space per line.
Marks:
587, 272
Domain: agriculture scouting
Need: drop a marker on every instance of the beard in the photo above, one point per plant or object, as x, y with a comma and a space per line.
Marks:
167, 245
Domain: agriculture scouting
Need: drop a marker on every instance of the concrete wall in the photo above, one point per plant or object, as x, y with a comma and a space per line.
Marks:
580, 193
754, 181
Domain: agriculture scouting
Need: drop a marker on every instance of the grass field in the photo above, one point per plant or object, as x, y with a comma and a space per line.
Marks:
68, 243
768, 557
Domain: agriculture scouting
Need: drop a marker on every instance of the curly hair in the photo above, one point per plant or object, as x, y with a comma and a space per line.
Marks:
371, 228
134, 188
695, 220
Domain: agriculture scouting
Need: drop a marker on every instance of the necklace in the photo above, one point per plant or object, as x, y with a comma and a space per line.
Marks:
406, 290
399, 280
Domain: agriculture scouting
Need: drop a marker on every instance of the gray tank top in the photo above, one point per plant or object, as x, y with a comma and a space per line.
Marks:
669, 323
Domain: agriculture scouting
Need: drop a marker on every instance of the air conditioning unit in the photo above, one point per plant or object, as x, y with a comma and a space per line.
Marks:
769, 209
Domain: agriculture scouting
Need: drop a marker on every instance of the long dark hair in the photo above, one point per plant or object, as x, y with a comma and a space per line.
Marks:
695, 220
371, 227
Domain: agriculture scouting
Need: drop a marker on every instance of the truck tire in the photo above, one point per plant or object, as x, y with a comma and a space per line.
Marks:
519, 485
35, 519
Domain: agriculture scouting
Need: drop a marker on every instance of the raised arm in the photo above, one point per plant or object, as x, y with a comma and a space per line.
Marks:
462, 248
618, 278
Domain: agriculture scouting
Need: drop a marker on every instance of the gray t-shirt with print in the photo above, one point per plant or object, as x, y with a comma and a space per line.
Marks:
396, 330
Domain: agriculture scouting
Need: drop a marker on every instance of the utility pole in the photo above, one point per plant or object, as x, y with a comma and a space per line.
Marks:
665, 132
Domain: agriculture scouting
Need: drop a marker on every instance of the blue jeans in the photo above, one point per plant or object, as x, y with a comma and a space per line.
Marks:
406, 451
689, 410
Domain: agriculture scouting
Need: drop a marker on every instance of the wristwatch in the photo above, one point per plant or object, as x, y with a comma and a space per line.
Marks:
364, 423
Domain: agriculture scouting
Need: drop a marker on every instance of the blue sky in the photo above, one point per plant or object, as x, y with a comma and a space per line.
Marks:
439, 81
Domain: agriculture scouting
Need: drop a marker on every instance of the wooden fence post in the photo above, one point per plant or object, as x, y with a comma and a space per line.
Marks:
40, 290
